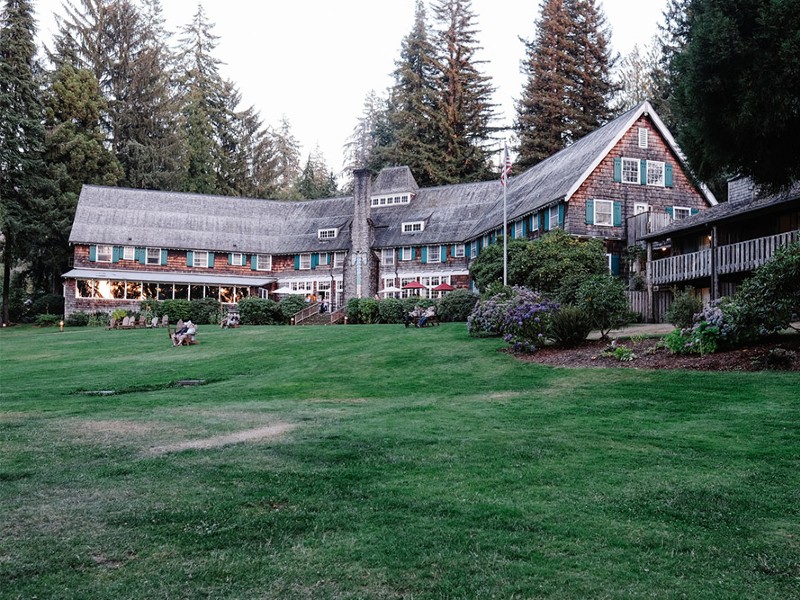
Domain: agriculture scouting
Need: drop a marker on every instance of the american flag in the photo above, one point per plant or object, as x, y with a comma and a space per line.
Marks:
505, 168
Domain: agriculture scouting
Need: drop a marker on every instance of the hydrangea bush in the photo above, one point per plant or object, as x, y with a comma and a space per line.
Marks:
526, 321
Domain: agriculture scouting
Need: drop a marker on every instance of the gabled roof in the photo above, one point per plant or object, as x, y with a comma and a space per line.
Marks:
558, 177
127, 217
449, 212
392, 180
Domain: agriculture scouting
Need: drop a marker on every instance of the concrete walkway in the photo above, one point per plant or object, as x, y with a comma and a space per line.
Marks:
636, 329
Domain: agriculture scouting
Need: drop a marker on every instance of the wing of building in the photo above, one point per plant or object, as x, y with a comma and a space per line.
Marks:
135, 244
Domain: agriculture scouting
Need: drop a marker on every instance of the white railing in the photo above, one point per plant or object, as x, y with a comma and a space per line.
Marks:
733, 258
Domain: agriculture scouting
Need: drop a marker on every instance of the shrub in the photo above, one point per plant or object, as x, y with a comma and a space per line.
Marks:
368, 312
487, 317
391, 310
77, 319
353, 311
456, 306
621, 353
204, 311
50, 304
569, 326
602, 297
526, 320
118, 314
45, 320
685, 304
260, 311
291, 305
176, 309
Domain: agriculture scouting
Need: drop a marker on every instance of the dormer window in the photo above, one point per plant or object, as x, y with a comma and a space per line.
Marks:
391, 200
327, 234
413, 226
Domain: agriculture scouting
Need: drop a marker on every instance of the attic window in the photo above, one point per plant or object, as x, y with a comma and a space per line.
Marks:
327, 234
391, 200
413, 226
642, 137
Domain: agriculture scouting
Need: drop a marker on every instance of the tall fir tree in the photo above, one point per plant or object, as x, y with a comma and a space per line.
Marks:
464, 96
286, 160
637, 76
568, 88
672, 36
22, 185
316, 180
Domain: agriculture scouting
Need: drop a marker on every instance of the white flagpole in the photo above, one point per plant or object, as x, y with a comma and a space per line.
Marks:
504, 162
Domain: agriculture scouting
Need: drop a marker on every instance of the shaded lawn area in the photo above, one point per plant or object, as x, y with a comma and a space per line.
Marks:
412, 463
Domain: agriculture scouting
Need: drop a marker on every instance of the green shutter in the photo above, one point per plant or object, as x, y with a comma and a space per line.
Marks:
296, 262
253, 262
424, 258
617, 214
93, 253
643, 172
525, 227
669, 212
668, 175
541, 221
615, 264
590, 212
116, 254
189, 258
139, 255
617, 170
545, 220
315, 260
164, 253
695, 211
443, 254
230, 258
453, 250
561, 215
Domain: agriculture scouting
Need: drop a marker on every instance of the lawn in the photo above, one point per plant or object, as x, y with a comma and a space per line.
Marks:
384, 462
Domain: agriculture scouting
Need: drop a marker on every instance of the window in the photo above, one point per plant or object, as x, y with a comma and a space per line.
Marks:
387, 257
104, 254
518, 230
200, 259
263, 262
459, 251
603, 212
680, 212
129, 253
473, 249
391, 200
327, 234
642, 137
413, 226
640, 207
238, 259
630, 170
406, 253
655, 173
553, 217
338, 259
305, 262
153, 256
433, 254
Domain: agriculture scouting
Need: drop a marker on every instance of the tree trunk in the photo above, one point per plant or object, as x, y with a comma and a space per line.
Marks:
7, 258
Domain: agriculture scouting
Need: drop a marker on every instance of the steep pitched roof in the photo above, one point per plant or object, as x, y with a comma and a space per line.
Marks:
122, 216
558, 177
448, 212
393, 180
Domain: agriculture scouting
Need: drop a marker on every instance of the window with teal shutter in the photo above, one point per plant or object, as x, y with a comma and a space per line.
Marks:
189, 258
424, 258
590, 212
140, 255
618, 170
443, 254
695, 211
116, 254
296, 262
253, 262
93, 253
643, 172
525, 227
230, 258
163, 256
314, 260
669, 211
668, 176
210, 260
546, 219
561, 215
617, 214
615, 264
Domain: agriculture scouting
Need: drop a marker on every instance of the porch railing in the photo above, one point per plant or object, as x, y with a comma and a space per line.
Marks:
732, 258
308, 311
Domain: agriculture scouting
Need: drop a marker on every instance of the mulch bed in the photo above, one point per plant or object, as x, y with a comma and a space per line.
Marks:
651, 355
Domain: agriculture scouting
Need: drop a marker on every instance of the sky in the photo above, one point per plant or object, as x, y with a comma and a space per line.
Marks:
315, 61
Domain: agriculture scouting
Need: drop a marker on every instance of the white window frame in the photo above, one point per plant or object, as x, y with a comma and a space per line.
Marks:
634, 162
655, 173
200, 259
609, 222
406, 253
460, 251
391, 200
551, 222
640, 207
473, 251
608, 261
387, 257
238, 259
517, 230
305, 261
128, 253
104, 254
263, 262
148, 259
643, 135
413, 226
338, 259
434, 254
328, 234
684, 210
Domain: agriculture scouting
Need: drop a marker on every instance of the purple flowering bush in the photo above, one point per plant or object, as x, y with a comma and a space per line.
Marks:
713, 329
526, 320
486, 319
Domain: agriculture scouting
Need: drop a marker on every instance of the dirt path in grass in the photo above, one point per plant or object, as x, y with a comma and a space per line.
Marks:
218, 441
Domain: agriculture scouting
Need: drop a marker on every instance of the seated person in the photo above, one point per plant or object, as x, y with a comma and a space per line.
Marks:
412, 316
185, 334
429, 312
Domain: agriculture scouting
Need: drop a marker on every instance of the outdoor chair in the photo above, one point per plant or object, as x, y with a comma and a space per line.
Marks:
164, 320
112, 324
154, 322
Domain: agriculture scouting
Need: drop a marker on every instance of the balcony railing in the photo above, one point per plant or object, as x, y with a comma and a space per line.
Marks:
646, 222
733, 258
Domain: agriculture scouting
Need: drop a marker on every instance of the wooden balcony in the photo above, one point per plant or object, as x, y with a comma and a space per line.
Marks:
733, 258
644, 223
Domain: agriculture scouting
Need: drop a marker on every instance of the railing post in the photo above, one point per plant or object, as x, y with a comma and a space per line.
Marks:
714, 269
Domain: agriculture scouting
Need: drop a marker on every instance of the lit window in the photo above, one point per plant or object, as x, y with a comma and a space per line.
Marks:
603, 212
413, 226
655, 173
200, 259
433, 254
305, 261
153, 256
104, 254
642, 137
129, 253
327, 234
387, 257
630, 170
263, 262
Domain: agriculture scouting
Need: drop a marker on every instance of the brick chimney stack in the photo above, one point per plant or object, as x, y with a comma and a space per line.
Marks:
361, 268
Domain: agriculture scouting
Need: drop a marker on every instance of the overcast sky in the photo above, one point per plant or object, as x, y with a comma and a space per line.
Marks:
315, 61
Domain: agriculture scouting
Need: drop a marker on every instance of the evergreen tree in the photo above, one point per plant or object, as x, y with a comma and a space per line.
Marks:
316, 180
22, 185
637, 77
286, 160
737, 92
464, 96
568, 88
673, 33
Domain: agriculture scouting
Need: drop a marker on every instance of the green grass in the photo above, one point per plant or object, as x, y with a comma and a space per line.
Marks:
421, 464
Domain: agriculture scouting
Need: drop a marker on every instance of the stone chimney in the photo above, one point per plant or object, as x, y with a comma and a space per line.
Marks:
361, 266
741, 190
